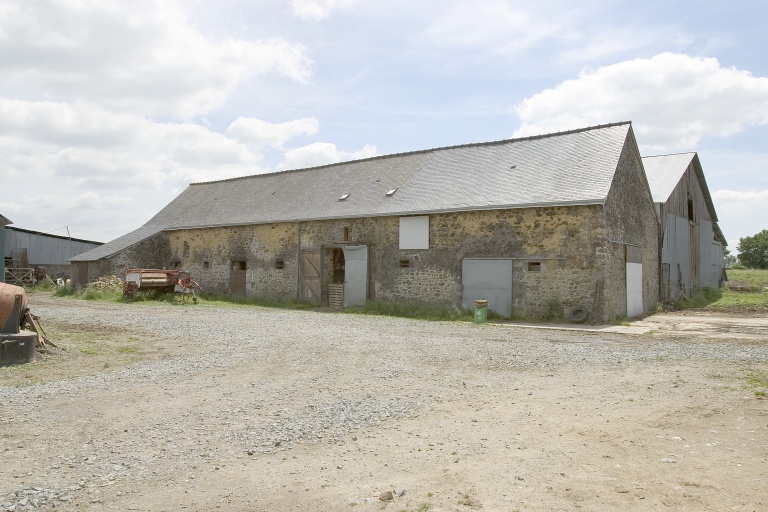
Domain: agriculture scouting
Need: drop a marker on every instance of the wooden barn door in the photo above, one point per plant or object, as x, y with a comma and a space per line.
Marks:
237, 278
310, 277
82, 274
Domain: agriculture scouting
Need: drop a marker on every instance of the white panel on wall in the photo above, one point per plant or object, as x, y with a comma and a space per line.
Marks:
414, 232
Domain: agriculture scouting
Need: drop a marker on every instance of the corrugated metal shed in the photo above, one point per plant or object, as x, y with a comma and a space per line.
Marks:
566, 168
44, 248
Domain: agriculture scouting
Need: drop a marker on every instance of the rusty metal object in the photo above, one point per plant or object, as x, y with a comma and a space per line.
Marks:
13, 301
17, 345
159, 279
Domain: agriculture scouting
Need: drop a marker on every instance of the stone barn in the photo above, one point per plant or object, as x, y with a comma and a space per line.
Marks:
692, 247
552, 226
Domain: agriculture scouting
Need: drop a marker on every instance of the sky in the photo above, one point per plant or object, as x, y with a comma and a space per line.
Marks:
109, 110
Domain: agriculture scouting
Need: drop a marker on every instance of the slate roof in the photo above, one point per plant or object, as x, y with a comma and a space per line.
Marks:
565, 168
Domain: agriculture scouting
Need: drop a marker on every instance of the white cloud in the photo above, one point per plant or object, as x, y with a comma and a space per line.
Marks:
316, 10
494, 26
673, 100
321, 153
258, 133
741, 213
92, 145
138, 56
747, 199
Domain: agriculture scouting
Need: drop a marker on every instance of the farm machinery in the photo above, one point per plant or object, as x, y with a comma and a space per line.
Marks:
165, 280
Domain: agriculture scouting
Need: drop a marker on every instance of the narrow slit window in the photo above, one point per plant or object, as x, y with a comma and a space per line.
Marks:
279, 263
534, 266
206, 265
405, 263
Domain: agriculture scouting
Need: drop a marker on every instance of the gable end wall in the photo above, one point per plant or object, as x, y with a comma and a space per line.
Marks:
631, 219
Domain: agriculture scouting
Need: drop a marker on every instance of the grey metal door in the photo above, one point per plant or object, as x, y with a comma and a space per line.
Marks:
634, 261
635, 290
489, 279
355, 275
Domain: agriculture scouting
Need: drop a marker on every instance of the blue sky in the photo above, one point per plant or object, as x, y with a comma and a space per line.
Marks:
108, 110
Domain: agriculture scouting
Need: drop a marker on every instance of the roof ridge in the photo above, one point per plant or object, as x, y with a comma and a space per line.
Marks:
424, 151
671, 154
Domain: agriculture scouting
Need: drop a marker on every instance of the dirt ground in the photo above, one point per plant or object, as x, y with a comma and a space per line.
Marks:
625, 430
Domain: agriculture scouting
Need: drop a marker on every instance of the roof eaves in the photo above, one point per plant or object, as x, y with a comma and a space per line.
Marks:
587, 202
119, 247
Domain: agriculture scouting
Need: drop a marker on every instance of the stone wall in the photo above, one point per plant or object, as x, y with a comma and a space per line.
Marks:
565, 242
631, 220
208, 254
154, 252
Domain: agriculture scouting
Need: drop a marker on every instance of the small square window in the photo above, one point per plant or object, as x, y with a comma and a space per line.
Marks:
206, 265
405, 263
534, 266
279, 263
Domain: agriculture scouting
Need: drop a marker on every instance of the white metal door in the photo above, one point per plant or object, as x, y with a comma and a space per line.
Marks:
634, 290
355, 275
489, 279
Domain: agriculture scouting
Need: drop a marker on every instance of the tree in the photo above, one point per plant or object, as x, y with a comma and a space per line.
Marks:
729, 258
753, 250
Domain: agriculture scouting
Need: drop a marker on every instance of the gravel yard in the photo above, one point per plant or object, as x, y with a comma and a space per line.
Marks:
251, 409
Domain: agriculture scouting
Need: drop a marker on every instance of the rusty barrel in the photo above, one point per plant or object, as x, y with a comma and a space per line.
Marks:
10, 313
16, 346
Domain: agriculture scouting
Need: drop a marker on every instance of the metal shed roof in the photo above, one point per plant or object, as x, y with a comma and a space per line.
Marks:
565, 168
664, 173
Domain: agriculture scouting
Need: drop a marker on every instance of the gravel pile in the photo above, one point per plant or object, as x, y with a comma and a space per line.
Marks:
258, 381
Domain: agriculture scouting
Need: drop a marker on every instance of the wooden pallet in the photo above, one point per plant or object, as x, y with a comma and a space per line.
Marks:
336, 295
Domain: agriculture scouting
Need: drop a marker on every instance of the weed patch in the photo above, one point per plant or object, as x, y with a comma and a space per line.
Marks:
758, 381
745, 291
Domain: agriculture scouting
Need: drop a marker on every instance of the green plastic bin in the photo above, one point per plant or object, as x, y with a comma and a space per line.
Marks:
481, 311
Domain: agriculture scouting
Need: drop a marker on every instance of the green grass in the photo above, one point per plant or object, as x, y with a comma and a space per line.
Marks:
758, 381
89, 293
758, 278
744, 292
407, 310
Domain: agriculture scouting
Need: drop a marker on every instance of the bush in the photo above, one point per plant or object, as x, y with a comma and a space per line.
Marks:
700, 299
